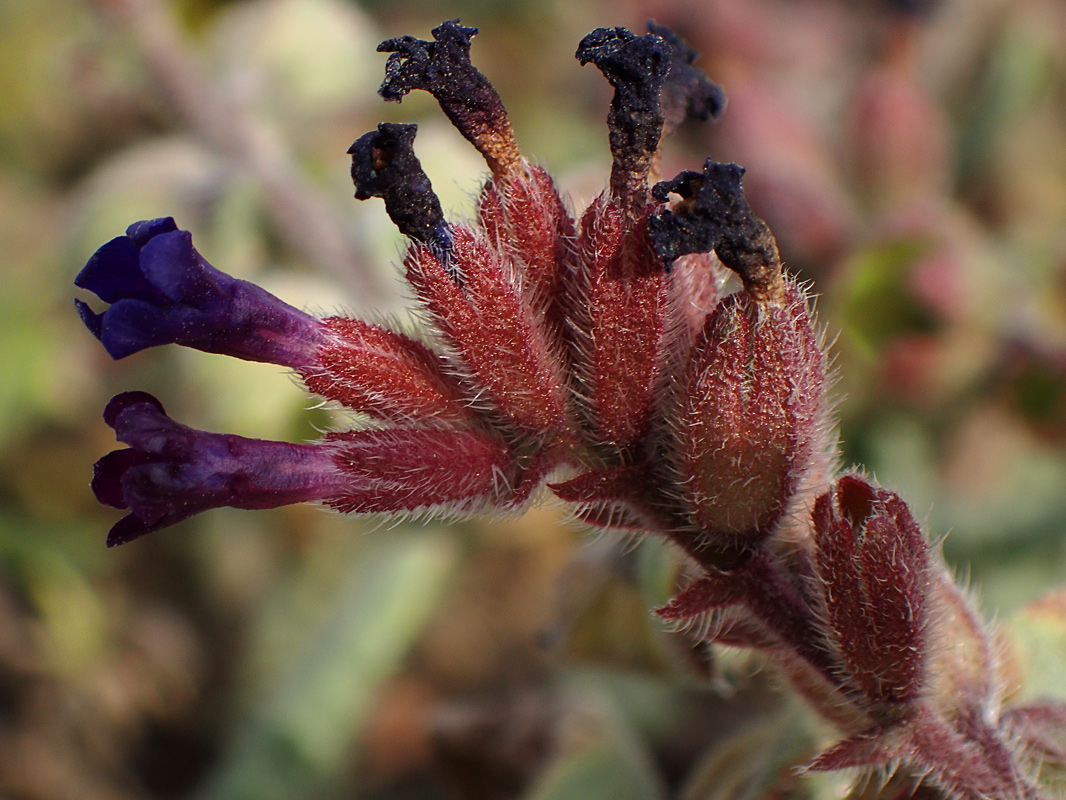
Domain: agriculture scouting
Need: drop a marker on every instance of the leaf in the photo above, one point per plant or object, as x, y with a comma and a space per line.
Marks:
603, 760
1039, 635
755, 761
298, 738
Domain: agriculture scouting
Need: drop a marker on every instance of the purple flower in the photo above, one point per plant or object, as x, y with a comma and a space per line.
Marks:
170, 471
162, 291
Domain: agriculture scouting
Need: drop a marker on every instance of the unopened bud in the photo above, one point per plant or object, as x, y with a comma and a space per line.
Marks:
751, 420
873, 562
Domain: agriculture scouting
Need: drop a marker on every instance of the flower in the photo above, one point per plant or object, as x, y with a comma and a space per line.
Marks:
559, 345
162, 291
170, 472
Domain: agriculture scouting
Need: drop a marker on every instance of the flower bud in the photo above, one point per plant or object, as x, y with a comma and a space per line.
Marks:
749, 424
478, 304
618, 301
525, 218
379, 372
873, 563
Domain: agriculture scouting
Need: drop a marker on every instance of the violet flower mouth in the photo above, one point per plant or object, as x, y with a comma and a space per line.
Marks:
162, 291
170, 472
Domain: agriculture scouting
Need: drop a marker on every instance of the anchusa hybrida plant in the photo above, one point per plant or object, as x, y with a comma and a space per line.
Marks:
649, 361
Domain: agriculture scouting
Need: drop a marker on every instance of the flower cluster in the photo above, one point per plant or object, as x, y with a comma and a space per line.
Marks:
649, 361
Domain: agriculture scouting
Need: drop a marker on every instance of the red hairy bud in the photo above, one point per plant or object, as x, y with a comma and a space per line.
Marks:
526, 218
405, 470
873, 562
750, 420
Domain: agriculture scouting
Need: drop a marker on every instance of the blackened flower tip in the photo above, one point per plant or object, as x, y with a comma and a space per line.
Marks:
636, 66
714, 214
443, 68
384, 165
687, 92
413, 62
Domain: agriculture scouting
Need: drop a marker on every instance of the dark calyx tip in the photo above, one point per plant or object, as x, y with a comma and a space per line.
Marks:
384, 165
443, 68
636, 67
687, 93
429, 66
714, 215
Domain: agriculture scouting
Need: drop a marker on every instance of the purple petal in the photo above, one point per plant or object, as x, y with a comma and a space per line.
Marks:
108, 473
172, 265
130, 326
141, 232
114, 272
171, 472
120, 402
133, 527
93, 321
162, 291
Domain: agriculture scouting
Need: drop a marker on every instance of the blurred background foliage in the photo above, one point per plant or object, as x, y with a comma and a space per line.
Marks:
910, 158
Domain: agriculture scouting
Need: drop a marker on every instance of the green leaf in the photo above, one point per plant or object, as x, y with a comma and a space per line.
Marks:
300, 735
602, 760
1039, 635
758, 760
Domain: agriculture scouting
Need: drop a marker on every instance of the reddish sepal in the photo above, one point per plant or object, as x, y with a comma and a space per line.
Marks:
706, 594
526, 218
750, 421
618, 307
874, 566
407, 470
382, 373
481, 309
